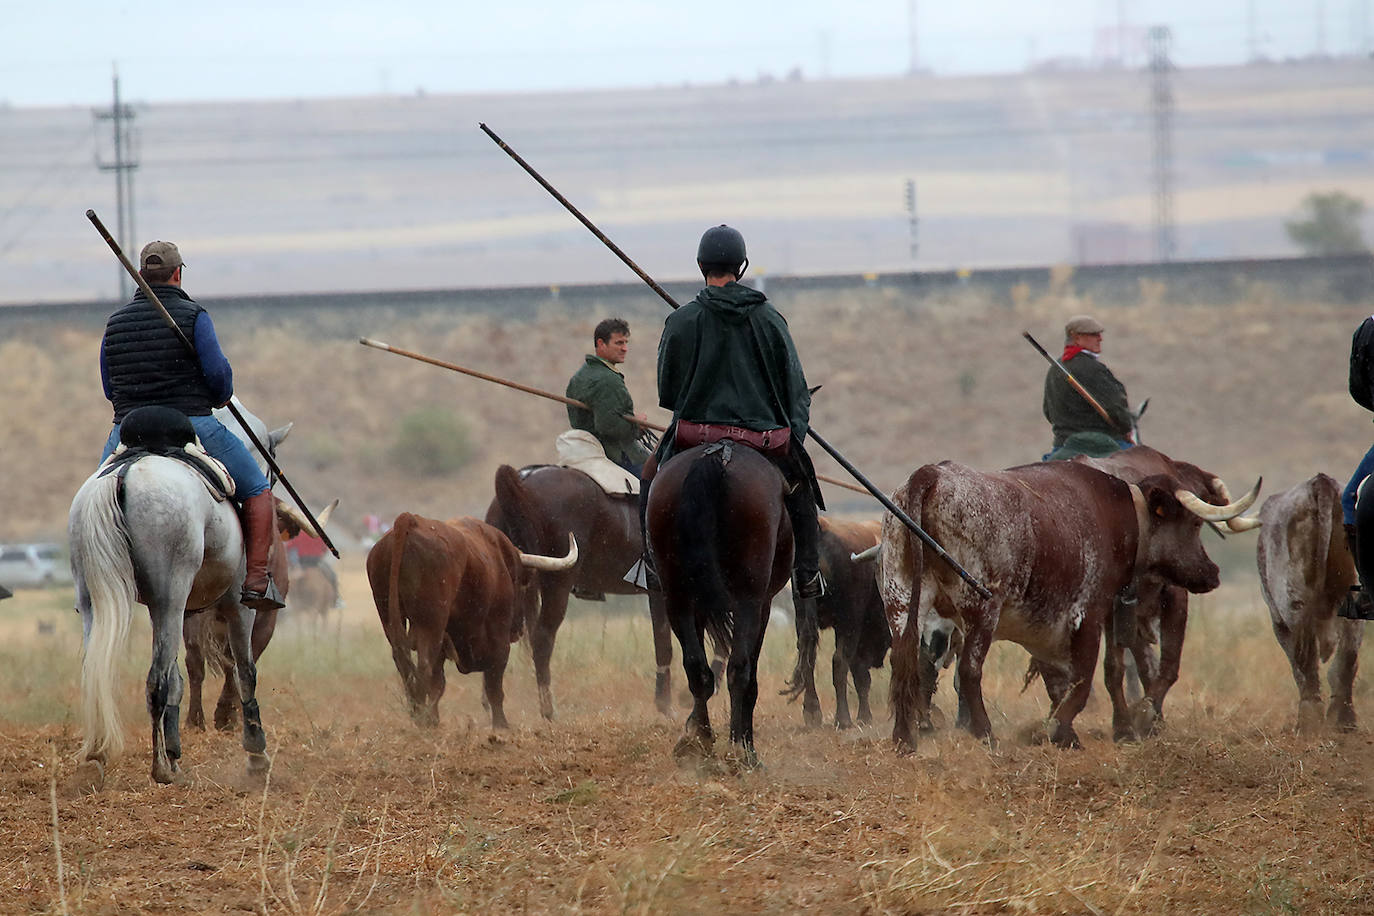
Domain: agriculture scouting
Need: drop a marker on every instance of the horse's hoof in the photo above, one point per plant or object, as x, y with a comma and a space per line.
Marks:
812, 717
170, 775
259, 765
1310, 719
693, 747
742, 759
89, 777
1064, 737
1341, 718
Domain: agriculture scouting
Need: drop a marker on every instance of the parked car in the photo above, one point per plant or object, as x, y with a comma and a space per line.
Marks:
34, 565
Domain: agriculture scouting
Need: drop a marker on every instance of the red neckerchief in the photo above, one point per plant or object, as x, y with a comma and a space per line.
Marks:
1070, 351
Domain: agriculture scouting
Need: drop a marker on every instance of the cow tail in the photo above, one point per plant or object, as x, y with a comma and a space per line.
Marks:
698, 543
105, 568
395, 626
902, 552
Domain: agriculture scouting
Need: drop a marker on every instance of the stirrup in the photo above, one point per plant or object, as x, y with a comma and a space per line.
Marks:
643, 575
270, 598
1357, 606
814, 587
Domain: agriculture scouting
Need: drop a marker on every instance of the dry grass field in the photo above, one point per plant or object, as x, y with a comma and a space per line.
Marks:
1228, 811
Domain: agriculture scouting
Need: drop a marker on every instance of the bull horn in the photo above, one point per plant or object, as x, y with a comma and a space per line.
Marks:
866, 555
1208, 512
1236, 525
552, 564
323, 517
297, 518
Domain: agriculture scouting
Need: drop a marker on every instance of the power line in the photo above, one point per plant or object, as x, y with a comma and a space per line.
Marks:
123, 167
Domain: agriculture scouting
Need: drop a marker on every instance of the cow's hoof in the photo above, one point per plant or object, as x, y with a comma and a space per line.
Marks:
196, 720
1125, 733
905, 747
169, 774
89, 777
1145, 719
1310, 718
1341, 717
841, 724
811, 715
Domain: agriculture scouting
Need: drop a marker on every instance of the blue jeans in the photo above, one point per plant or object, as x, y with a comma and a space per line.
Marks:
1365, 468
249, 480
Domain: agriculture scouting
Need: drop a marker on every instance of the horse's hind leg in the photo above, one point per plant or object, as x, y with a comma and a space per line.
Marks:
164, 693
697, 739
663, 654
241, 648
742, 679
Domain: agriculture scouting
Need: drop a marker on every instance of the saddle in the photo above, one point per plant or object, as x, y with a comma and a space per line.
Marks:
580, 450
166, 432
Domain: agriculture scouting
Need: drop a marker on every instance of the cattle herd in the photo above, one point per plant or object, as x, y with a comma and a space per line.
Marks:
1075, 554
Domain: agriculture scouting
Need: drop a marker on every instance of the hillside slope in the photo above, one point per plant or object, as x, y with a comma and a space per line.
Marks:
1245, 390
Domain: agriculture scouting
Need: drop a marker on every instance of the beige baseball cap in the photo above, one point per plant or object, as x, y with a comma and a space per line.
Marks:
159, 254
1082, 324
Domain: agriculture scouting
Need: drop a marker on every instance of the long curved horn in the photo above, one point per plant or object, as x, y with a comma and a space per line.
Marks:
1236, 525
323, 517
1208, 512
869, 554
553, 564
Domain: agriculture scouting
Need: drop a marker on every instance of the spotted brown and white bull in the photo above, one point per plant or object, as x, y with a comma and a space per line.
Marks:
1055, 543
456, 590
1161, 607
1306, 572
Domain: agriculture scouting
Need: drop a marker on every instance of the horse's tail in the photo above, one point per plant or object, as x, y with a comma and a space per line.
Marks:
101, 544
699, 522
518, 514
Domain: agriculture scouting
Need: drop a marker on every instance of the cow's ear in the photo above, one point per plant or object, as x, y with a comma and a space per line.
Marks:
1159, 500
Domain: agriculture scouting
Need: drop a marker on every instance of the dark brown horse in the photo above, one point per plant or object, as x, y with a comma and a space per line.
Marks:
722, 544
537, 507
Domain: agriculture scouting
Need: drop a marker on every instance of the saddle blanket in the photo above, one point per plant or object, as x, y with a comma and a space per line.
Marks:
580, 450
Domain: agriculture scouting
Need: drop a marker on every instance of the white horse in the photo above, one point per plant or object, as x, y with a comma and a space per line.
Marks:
158, 537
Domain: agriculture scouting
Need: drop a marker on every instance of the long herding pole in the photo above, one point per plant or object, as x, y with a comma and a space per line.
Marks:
191, 348
844, 462
379, 345
1074, 382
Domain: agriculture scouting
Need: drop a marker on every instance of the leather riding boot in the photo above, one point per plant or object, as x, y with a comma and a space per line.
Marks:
256, 515
1358, 605
807, 581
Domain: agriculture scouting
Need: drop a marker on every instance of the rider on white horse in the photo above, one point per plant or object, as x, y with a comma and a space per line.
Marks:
142, 363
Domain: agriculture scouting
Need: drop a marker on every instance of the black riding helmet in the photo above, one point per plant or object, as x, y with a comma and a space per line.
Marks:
722, 248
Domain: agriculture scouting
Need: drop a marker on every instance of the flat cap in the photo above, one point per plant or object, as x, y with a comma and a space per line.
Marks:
1082, 324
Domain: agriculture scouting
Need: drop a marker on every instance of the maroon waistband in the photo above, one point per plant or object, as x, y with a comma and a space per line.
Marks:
769, 441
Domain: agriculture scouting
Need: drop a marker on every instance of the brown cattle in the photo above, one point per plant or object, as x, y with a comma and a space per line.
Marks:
1055, 543
853, 608
456, 590
1161, 609
1306, 572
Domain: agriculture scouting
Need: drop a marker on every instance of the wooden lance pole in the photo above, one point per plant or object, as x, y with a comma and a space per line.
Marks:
663, 294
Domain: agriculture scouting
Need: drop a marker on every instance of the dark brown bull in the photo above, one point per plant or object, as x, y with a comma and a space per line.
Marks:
538, 507
1161, 609
853, 608
456, 590
1055, 543
1306, 572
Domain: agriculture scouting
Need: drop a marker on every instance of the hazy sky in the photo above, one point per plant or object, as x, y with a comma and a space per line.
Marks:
63, 53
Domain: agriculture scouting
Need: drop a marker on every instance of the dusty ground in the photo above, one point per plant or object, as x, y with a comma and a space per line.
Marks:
1228, 811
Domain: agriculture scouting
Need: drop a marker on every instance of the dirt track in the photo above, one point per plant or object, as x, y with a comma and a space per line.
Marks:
1226, 812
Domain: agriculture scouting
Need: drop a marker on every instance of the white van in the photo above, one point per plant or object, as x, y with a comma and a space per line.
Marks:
34, 566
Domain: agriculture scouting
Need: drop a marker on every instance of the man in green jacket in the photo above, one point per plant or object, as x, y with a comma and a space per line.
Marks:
1078, 428
726, 360
600, 385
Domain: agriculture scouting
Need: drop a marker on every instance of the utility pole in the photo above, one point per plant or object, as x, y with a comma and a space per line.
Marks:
123, 166
913, 60
1162, 108
912, 221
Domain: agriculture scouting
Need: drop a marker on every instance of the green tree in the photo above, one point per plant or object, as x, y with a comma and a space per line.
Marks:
431, 442
1329, 223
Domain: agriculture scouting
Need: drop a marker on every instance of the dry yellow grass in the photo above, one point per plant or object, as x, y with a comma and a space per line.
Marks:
1228, 811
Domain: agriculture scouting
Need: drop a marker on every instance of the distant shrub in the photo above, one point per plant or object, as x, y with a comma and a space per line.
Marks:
431, 442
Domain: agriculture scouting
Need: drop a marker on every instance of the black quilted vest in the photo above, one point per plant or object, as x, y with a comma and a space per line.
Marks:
146, 363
